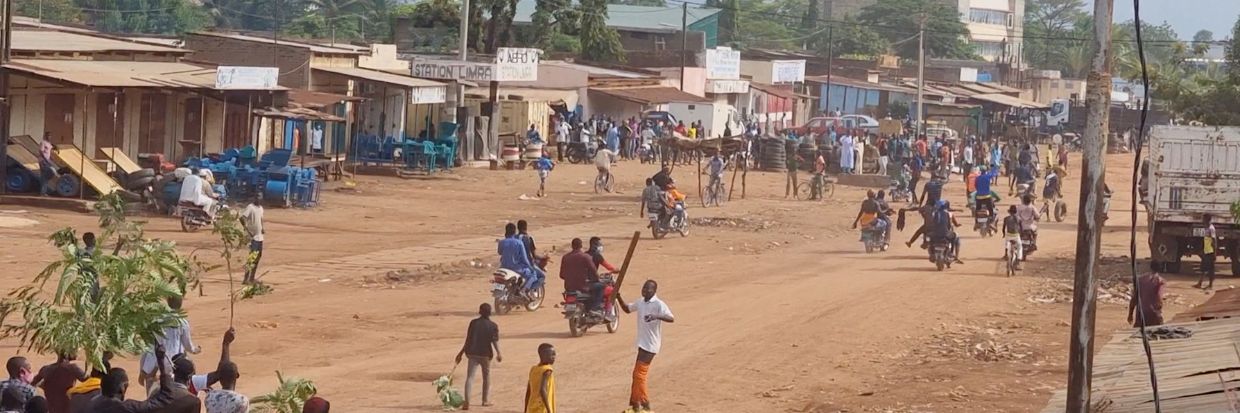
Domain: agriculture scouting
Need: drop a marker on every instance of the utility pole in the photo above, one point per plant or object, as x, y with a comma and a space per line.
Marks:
6, 46
921, 73
1089, 226
684, 41
830, 62
456, 100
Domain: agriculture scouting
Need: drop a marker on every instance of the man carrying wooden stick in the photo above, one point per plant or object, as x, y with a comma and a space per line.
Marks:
651, 313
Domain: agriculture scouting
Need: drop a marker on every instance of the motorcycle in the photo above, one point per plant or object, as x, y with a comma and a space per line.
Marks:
580, 318
983, 223
507, 287
646, 154
940, 254
873, 236
1028, 242
677, 221
582, 152
899, 193
194, 217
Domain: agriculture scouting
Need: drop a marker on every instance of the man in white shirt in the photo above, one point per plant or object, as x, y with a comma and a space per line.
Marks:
176, 341
316, 139
651, 314
252, 219
192, 192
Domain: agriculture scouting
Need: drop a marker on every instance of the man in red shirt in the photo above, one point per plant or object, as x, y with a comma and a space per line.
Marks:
579, 273
1152, 286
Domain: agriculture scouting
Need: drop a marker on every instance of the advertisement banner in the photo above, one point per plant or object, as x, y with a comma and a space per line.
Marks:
787, 71
246, 78
727, 86
517, 64
723, 63
453, 70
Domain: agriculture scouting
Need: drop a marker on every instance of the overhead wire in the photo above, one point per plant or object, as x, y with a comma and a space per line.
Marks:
1132, 231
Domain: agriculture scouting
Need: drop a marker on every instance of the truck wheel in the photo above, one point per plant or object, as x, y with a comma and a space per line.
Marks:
1165, 267
1235, 265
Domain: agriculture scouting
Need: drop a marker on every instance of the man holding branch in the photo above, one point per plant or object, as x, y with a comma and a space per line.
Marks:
651, 314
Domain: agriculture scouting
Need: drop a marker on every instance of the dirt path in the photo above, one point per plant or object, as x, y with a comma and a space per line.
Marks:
777, 306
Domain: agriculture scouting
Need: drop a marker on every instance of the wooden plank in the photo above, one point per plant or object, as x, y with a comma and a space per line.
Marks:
120, 159
71, 157
24, 157
26, 141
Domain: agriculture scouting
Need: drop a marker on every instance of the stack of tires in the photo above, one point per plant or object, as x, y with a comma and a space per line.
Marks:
137, 185
774, 155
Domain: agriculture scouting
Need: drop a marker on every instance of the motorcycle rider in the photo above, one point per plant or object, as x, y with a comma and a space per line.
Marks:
930, 196
1011, 233
512, 256
578, 270
944, 224
1025, 176
884, 215
869, 210
196, 190
1028, 216
985, 198
530, 247
596, 254
1050, 189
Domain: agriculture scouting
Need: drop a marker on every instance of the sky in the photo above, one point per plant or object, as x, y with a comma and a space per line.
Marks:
1185, 16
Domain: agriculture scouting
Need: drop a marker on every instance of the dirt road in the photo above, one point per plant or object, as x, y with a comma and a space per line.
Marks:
778, 308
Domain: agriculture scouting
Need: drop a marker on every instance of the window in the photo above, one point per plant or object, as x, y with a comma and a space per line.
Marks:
995, 17
1054, 85
988, 49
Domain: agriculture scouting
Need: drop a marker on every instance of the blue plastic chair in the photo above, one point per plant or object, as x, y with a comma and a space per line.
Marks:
429, 153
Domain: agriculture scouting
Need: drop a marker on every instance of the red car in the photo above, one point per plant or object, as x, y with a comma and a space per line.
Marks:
817, 126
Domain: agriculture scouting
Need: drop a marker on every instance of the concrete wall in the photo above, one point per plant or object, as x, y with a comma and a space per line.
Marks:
383, 57
293, 61
757, 70
637, 40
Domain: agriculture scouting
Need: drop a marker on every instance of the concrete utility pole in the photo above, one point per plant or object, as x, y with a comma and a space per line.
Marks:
456, 99
1089, 226
830, 62
921, 74
684, 41
6, 46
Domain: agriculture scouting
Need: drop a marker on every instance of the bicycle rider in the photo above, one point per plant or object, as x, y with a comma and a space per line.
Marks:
716, 167
820, 173
1011, 234
603, 159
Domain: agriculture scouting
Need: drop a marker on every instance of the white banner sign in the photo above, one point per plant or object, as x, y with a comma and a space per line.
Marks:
246, 78
454, 70
787, 71
428, 94
517, 64
723, 63
727, 86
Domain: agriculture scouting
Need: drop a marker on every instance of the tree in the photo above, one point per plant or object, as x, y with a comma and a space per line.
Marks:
729, 29
1233, 54
810, 24
104, 302
897, 20
652, 3
1047, 21
599, 42
772, 24
289, 397
853, 39
144, 16
1202, 41
52, 11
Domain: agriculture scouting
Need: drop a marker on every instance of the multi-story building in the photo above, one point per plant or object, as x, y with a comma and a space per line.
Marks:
995, 26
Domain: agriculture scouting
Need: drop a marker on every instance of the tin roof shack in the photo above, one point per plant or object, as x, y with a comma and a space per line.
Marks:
294, 58
96, 91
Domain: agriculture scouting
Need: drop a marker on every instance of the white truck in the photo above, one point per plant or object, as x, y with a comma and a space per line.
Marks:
715, 117
1191, 172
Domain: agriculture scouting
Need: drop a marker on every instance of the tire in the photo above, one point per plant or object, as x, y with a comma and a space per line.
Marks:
141, 173
803, 192
1061, 211
130, 197
828, 190
868, 248
68, 186
188, 226
20, 181
614, 325
1235, 265
573, 329
939, 264
542, 295
573, 156
137, 184
501, 308
656, 234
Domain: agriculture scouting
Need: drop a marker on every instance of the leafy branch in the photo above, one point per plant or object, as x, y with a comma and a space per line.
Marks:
290, 397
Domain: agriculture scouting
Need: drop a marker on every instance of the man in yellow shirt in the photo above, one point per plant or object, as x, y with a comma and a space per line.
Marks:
540, 393
1209, 243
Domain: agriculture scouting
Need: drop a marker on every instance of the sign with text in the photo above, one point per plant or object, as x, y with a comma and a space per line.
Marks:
723, 63
246, 78
517, 64
727, 86
787, 71
454, 70
428, 94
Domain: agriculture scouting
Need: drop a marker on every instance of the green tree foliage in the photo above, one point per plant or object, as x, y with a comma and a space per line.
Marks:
1046, 21
51, 11
599, 42
652, 3
289, 397
1201, 41
775, 24
144, 16
810, 24
1232, 50
103, 302
852, 39
897, 20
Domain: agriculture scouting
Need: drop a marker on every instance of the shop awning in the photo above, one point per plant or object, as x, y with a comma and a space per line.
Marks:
317, 100
115, 74
649, 95
568, 97
381, 77
1008, 101
297, 114
783, 92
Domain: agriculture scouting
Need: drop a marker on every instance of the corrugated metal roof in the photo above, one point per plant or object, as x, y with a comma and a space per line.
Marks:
317, 48
1193, 373
381, 76
1009, 101
640, 18
648, 95
120, 73
1224, 304
860, 84
317, 100
595, 71
57, 41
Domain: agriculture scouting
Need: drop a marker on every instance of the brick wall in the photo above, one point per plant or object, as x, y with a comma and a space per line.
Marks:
292, 60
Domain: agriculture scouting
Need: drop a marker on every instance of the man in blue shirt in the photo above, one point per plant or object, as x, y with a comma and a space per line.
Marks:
613, 138
943, 228
1024, 176
985, 198
532, 135
513, 256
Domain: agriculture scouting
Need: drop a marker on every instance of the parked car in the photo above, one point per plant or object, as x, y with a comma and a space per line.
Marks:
816, 126
861, 122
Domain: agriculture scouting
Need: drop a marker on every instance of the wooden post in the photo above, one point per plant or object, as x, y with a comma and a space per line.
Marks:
735, 169
701, 196
744, 174
624, 267
1089, 226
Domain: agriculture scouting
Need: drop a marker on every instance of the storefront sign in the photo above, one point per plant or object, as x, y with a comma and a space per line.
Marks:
454, 70
723, 63
787, 71
428, 94
727, 86
246, 78
517, 64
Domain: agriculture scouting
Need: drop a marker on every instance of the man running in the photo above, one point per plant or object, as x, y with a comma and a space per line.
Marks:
543, 165
651, 314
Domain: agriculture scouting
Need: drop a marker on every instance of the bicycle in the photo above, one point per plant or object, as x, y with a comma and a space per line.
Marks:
816, 188
1009, 256
716, 193
604, 182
